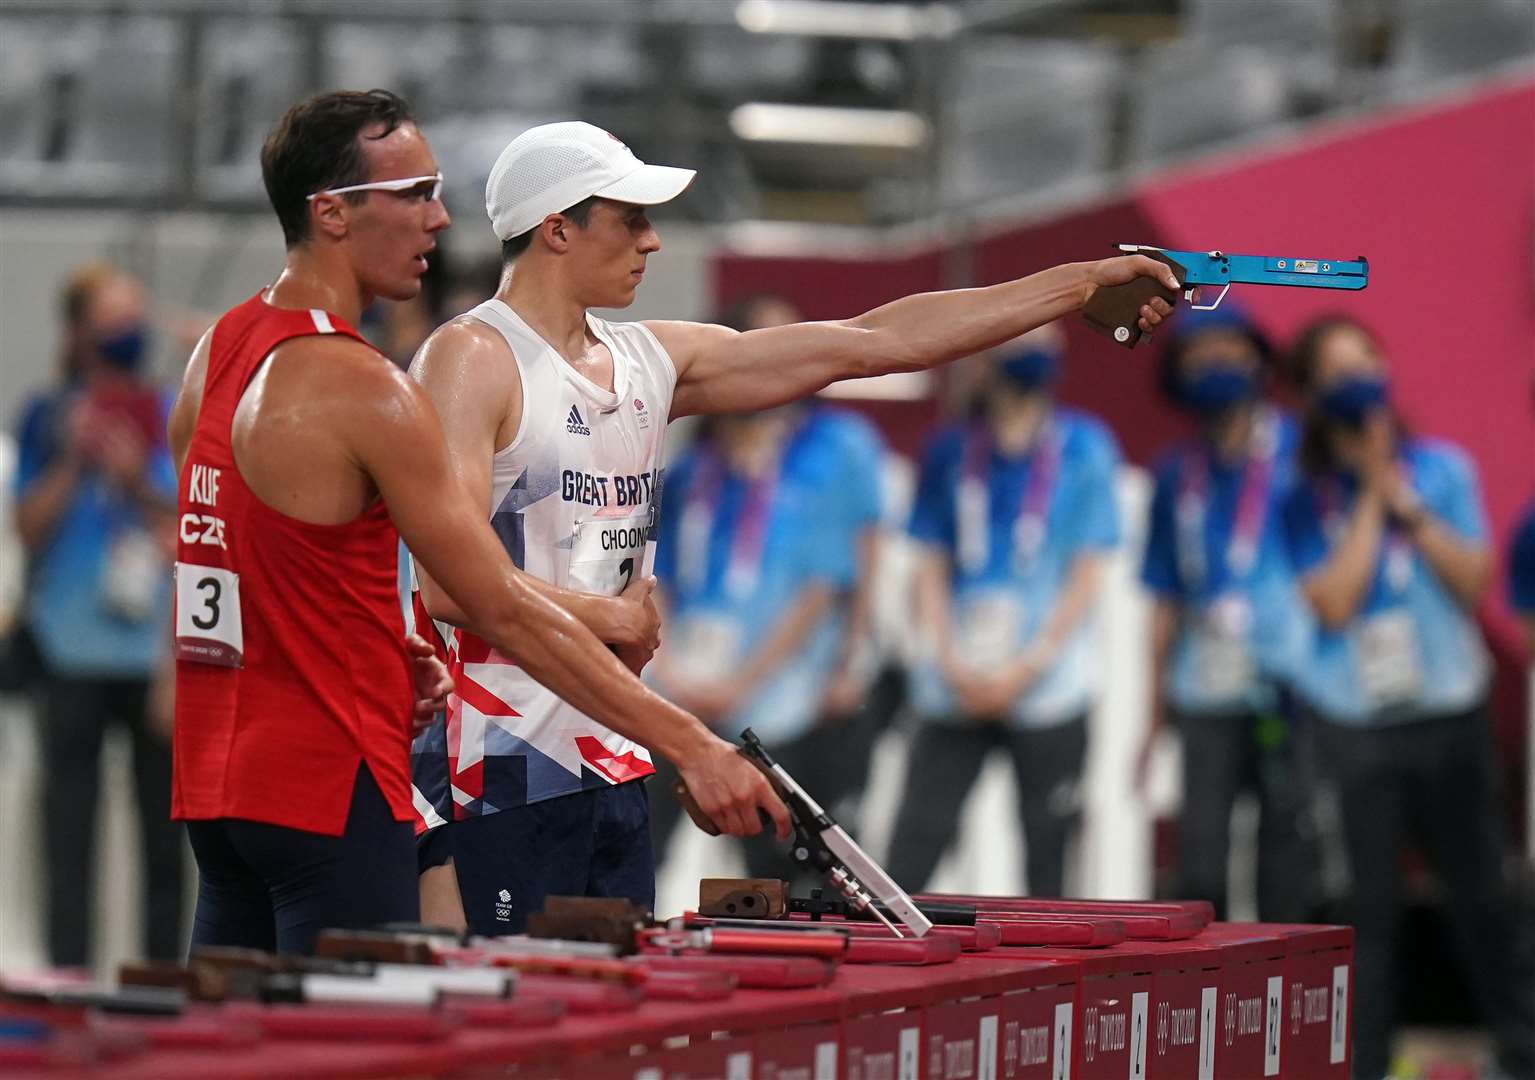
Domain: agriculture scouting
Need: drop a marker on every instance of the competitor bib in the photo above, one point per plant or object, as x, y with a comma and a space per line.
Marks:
208, 628
608, 552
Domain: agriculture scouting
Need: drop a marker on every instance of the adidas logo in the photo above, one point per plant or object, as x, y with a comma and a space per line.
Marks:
574, 424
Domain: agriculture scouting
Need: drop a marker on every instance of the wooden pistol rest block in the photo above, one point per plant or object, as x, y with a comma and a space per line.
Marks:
376, 947
743, 898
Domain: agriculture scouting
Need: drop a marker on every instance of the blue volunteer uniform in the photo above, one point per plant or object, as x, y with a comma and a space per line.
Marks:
98, 608
1411, 651
1010, 529
841, 456
838, 457
1215, 549
1405, 734
1008, 570
733, 555
92, 617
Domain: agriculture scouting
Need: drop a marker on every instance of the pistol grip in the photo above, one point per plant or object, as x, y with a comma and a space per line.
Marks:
1115, 309
690, 804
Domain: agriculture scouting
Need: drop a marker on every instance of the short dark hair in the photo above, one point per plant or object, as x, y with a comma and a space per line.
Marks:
316, 145
513, 246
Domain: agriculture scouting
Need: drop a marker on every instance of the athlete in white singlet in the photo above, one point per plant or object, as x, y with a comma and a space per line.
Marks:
547, 416
573, 499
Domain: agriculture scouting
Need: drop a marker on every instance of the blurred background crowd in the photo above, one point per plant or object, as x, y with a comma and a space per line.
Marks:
1245, 615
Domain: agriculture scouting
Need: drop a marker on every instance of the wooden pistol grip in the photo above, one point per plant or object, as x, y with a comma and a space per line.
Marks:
690, 804
1115, 310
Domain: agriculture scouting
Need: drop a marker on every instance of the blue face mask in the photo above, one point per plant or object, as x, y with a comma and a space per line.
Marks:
1031, 369
125, 349
1351, 400
1216, 389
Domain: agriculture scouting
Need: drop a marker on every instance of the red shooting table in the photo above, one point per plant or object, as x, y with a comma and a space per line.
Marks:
1246, 1002
1316, 987
1123, 993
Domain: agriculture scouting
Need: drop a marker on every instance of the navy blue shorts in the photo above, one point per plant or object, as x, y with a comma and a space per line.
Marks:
273, 888
591, 843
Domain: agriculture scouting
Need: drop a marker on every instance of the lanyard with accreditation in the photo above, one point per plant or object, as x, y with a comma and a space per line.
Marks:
1220, 631
973, 520
990, 628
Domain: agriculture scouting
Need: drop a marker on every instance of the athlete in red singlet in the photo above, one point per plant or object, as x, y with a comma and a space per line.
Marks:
301, 449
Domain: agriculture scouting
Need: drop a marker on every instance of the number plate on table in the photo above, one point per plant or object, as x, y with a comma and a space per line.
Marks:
208, 629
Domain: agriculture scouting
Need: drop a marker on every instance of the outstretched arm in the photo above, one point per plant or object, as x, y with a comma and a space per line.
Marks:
720, 370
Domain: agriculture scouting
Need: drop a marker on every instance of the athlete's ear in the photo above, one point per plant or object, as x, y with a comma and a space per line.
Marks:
328, 215
555, 229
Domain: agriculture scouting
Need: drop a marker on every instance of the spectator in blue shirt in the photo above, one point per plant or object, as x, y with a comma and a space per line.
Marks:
1521, 576
1015, 516
747, 582
1390, 541
95, 506
1229, 630
842, 453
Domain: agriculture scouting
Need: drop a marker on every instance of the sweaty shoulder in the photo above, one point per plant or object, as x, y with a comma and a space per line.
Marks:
470, 373
462, 348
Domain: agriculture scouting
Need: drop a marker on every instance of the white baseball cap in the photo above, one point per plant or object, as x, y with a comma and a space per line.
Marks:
552, 167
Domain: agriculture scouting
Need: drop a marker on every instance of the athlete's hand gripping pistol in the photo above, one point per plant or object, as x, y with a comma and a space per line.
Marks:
1113, 309
820, 844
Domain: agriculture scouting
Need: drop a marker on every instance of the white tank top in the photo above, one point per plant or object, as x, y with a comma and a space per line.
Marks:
573, 500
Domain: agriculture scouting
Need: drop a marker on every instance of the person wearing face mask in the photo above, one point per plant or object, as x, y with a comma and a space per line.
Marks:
95, 501
1015, 518
1228, 627
1389, 538
749, 573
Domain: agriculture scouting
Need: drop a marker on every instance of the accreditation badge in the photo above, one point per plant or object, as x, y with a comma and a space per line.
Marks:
1387, 657
1222, 655
132, 575
704, 647
988, 632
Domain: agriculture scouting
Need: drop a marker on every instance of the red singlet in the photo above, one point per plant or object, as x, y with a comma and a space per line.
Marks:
290, 656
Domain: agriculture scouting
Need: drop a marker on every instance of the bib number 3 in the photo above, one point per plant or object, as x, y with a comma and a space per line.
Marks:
208, 629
